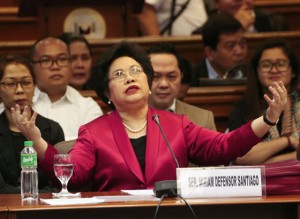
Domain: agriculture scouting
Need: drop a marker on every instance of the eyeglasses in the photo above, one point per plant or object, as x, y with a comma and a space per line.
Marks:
48, 62
13, 84
281, 65
120, 75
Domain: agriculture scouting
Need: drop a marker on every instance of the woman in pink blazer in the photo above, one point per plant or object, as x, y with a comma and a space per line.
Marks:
125, 149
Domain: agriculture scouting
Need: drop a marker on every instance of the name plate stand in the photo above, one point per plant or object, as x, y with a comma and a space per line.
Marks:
213, 182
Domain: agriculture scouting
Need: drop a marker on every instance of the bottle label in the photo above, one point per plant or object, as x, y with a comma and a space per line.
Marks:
28, 160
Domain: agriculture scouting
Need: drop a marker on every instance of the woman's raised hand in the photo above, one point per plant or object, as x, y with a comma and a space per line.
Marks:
27, 127
277, 102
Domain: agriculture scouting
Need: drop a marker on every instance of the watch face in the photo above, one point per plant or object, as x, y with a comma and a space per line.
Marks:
86, 21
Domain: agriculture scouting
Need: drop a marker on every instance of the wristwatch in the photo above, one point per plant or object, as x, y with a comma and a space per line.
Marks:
268, 122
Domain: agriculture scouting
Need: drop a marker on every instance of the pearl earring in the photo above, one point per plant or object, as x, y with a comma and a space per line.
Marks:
150, 92
109, 102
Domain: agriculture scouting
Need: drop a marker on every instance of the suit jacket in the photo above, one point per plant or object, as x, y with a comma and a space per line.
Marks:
104, 155
9, 166
201, 117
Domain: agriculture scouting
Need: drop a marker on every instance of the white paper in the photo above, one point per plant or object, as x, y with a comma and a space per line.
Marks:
72, 201
139, 192
127, 198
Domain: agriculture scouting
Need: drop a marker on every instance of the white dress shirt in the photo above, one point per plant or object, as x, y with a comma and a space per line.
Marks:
70, 111
191, 18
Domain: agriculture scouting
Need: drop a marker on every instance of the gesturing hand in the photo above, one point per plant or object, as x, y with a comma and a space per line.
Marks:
278, 101
27, 127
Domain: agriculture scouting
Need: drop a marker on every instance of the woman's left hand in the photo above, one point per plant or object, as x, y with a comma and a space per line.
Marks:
27, 127
278, 101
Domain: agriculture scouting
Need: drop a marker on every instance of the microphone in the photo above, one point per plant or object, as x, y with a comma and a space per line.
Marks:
165, 187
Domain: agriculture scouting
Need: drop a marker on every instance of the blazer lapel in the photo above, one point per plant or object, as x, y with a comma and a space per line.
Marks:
152, 145
124, 145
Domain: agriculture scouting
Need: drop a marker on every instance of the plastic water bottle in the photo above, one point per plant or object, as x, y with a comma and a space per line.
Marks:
29, 174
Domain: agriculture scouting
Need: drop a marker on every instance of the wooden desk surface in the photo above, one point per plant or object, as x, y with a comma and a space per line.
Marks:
275, 207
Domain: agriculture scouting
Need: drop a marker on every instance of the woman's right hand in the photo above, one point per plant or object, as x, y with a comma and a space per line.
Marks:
27, 127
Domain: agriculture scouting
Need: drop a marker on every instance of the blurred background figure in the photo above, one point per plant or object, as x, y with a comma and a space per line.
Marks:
171, 17
225, 48
81, 60
252, 20
17, 87
273, 60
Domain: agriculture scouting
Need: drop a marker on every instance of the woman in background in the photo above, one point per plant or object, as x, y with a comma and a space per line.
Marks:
273, 61
81, 60
17, 87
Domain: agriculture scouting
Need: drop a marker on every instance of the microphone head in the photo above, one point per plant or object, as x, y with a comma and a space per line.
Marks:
155, 118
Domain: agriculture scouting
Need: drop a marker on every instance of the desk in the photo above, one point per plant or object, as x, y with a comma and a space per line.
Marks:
273, 207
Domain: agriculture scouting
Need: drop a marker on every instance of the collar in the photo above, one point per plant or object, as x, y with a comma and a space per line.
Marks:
172, 108
38, 94
212, 74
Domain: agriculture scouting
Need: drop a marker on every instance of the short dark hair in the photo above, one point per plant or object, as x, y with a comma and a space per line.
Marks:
216, 25
14, 59
70, 37
183, 63
101, 68
32, 49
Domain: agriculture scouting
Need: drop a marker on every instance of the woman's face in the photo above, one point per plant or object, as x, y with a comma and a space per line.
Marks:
81, 64
23, 93
128, 84
274, 66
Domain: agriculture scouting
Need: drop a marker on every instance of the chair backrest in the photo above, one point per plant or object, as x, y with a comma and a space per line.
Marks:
64, 147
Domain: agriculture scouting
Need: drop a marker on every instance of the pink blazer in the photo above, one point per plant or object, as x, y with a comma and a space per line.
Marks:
103, 153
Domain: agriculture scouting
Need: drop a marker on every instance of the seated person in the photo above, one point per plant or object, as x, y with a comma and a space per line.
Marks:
168, 17
225, 49
17, 87
274, 60
187, 77
168, 72
54, 98
81, 60
125, 149
252, 20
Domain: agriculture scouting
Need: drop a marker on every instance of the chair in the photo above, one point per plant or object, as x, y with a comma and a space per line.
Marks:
64, 147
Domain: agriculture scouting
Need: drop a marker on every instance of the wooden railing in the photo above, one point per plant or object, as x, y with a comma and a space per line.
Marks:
218, 99
189, 46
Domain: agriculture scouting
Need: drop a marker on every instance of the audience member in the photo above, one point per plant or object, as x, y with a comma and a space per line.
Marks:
17, 87
130, 152
166, 82
225, 48
171, 17
252, 20
274, 60
81, 60
54, 99
187, 79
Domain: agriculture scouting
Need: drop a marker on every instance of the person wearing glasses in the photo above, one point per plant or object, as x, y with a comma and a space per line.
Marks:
54, 99
125, 148
17, 87
274, 60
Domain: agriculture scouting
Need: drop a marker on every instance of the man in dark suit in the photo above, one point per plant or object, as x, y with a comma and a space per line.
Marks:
168, 73
225, 49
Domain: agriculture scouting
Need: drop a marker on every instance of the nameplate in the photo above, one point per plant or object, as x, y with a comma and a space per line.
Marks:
233, 181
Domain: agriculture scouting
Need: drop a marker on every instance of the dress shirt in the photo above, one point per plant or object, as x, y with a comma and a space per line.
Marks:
212, 74
71, 111
192, 17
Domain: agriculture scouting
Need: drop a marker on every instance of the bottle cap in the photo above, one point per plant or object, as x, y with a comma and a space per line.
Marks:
28, 143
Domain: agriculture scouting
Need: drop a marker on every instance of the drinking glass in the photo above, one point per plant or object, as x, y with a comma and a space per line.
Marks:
63, 169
